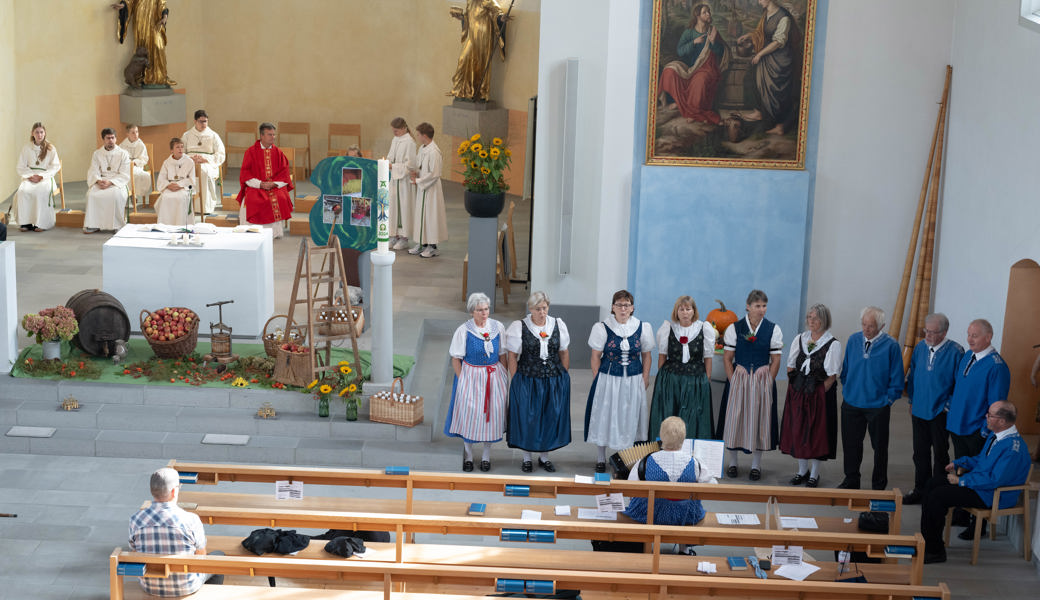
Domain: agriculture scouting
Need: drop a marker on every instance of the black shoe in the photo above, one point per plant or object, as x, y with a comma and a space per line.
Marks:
731, 471
813, 482
934, 557
848, 484
526, 466
467, 465
913, 497
799, 478
755, 475
969, 532
26, 227
547, 465
601, 467
485, 465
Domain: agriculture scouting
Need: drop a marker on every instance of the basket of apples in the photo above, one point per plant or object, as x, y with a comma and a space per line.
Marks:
292, 366
171, 332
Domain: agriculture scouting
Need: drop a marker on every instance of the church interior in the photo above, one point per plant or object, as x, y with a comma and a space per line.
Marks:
594, 218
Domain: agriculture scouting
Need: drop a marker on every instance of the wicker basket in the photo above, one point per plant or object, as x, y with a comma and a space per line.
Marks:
388, 407
272, 342
334, 321
177, 348
292, 368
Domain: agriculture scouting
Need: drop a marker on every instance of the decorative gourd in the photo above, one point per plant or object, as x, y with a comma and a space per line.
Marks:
721, 319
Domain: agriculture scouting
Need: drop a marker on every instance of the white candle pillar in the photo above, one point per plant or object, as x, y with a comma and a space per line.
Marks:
8, 308
382, 310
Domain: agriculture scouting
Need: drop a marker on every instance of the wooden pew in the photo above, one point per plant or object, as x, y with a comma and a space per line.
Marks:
387, 575
549, 487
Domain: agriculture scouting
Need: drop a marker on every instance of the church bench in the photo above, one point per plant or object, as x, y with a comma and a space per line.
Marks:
549, 487
256, 592
388, 575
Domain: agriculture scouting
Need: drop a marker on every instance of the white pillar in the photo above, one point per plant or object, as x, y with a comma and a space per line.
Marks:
382, 314
9, 310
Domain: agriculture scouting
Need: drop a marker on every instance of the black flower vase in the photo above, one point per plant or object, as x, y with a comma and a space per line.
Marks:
484, 206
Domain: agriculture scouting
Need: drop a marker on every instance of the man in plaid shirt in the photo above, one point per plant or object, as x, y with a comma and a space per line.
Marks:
165, 528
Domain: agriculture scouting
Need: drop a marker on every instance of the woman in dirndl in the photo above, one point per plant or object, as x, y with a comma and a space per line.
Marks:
478, 395
747, 416
670, 463
616, 413
540, 388
685, 348
809, 429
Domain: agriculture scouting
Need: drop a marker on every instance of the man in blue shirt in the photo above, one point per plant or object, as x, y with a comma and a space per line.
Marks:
1003, 461
982, 378
929, 385
871, 380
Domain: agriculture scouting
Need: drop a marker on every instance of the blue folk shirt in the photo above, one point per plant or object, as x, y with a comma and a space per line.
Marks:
988, 380
1001, 463
872, 379
930, 386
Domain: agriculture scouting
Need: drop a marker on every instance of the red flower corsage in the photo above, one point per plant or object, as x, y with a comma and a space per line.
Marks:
751, 338
684, 340
542, 334
487, 336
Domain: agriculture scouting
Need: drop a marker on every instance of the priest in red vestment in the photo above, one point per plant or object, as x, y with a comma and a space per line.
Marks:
266, 182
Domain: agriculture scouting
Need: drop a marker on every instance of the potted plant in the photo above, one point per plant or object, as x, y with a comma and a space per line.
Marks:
341, 382
50, 326
483, 175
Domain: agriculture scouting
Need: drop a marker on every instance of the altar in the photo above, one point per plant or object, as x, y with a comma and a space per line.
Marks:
145, 272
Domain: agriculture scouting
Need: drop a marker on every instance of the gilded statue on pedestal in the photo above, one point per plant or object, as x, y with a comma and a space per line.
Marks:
149, 25
483, 30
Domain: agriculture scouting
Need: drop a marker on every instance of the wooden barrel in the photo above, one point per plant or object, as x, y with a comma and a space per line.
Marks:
102, 321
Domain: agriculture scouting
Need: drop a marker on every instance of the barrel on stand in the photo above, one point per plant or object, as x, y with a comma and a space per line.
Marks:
102, 321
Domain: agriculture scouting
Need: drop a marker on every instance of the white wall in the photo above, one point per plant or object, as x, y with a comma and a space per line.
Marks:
884, 64
13, 138
991, 215
606, 44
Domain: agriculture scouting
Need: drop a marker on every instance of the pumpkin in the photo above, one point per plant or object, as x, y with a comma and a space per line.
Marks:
721, 319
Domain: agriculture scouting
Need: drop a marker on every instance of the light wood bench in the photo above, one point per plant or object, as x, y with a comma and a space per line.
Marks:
255, 592
388, 575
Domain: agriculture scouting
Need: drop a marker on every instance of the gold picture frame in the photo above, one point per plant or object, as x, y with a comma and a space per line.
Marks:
730, 87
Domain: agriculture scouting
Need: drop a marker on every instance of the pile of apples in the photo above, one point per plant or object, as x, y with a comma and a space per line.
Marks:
168, 324
295, 348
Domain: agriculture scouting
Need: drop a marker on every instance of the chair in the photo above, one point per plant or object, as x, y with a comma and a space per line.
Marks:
290, 153
511, 239
342, 130
61, 188
150, 149
240, 128
501, 277
294, 129
991, 514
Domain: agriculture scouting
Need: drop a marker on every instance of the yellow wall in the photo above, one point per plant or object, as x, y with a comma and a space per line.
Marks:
9, 147
319, 61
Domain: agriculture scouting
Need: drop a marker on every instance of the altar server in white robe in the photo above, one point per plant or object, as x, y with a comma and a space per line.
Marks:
37, 165
204, 146
402, 190
431, 225
138, 152
108, 182
176, 185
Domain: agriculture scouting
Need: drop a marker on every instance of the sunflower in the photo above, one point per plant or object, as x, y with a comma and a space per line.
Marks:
507, 152
476, 147
325, 389
483, 154
352, 388
463, 147
474, 165
485, 170
495, 153
475, 137
345, 369
464, 160
312, 384
497, 141
343, 392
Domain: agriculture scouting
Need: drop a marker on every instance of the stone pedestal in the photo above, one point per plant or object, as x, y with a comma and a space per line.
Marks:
463, 118
147, 107
381, 313
8, 308
480, 274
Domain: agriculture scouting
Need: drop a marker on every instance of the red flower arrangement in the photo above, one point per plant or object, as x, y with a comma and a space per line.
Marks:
542, 334
751, 337
487, 336
684, 340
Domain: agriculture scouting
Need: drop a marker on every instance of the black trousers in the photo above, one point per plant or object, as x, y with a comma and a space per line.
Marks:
931, 448
855, 424
967, 445
939, 496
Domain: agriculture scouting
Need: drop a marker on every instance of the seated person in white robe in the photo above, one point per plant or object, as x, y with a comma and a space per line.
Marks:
107, 185
138, 152
176, 185
37, 165
204, 146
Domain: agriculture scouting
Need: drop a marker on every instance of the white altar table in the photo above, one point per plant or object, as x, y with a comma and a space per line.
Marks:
143, 271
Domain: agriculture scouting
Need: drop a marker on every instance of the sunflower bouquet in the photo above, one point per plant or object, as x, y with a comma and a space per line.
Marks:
484, 165
342, 382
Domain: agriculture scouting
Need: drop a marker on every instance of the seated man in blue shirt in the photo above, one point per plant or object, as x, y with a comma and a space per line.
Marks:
1004, 461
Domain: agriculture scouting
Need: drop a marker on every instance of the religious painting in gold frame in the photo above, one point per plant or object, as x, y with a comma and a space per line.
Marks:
729, 83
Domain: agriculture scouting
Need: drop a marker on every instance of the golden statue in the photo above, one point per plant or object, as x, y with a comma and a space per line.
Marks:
483, 30
149, 21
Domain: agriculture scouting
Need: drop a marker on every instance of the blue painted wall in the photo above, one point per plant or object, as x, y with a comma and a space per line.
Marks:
719, 233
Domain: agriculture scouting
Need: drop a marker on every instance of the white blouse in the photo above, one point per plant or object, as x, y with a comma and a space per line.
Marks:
776, 343
493, 328
673, 463
598, 335
46, 168
691, 332
514, 339
831, 362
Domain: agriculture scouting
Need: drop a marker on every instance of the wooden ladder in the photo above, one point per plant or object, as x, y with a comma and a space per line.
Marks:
329, 274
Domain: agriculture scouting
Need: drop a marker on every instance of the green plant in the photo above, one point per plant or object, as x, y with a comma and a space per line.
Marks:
341, 381
484, 166
51, 324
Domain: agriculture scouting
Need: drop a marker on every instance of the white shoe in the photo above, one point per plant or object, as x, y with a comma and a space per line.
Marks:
430, 252
400, 244
416, 250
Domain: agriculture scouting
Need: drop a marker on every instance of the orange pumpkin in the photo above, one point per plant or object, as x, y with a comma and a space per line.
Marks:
721, 319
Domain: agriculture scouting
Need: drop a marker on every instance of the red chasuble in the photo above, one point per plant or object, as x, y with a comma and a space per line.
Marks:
265, 206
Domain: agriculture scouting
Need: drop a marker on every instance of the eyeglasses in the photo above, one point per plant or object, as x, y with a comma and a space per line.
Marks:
622, 305
930, 332
992, 416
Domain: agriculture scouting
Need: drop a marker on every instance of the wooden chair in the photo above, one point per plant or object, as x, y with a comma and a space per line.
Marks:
150, 149
61, 188
297, 129
239, 128
991, 514
501, 277
342, 130
511, 238
290, 153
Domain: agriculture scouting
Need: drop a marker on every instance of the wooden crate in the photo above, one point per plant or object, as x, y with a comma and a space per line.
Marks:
69, 218
137, 218
229, 203
223, 220
300, 226
304, 204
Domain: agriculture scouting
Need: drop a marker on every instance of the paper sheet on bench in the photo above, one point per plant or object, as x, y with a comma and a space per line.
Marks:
787, 555
737, 519
584, 479
707, 452
592, 513
286, 490
530, 515
798, 523
797, 572
610, 502
563, 510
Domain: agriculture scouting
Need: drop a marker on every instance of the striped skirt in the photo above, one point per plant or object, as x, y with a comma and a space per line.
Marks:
478, 404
